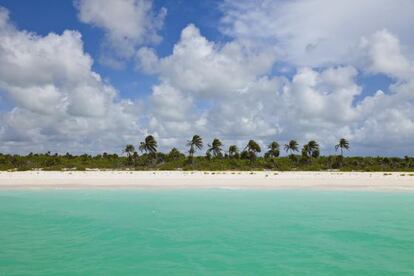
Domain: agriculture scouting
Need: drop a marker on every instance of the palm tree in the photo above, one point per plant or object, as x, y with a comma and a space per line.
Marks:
292, 146
252, 148
311, 149
149, 145
129, 150
343, 144
233, 151
215, 148
274, 150
194, 144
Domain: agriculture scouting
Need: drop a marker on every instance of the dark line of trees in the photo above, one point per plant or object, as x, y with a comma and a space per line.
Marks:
250, 151
216, 157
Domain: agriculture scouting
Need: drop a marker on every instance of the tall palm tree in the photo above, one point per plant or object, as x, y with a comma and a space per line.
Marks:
195, 143
311, 149
149, 145
215, 148
292, 146
274, 150
252, 149
129, 150
233, 151
343, 144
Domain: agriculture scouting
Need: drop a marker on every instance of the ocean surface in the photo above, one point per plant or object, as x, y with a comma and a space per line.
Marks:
205, 232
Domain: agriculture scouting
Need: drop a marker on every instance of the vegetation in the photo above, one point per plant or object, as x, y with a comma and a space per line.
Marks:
149, 147
215, 148
251, 150
194, 144
233, 152
215, 159
292, 147
273, 151
310, 150
343, 144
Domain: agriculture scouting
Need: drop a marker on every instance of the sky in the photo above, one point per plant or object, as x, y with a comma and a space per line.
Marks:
90, 76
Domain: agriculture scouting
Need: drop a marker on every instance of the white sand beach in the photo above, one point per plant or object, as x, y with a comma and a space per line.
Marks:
401, 181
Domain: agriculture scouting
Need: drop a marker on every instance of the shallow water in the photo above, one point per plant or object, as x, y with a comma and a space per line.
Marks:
206, 231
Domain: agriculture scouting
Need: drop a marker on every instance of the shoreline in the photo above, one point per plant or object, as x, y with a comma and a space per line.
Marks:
367, 181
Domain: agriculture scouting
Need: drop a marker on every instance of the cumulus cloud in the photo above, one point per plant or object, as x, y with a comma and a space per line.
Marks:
207, 69
316, 32
55, 94
128, 24
384, 55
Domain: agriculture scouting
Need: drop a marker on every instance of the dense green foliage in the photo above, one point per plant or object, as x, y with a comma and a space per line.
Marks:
215, 159
174, 160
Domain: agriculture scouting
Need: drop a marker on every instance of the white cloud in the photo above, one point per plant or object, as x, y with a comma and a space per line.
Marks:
326, 96
207, 69
46, 74
57, 98
147, 60
388, 118
384, 55
317, 32
128, 24
172, 115
170, 103
4, 17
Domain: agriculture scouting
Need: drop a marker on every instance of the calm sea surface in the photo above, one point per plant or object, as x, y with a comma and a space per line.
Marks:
205, 231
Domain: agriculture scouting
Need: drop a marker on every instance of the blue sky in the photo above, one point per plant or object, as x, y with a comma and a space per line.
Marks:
269, 70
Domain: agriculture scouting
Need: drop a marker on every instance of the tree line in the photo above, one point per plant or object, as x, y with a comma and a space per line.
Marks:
213, 156
250, 151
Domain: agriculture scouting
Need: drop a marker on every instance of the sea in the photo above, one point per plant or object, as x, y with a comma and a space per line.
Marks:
205, 232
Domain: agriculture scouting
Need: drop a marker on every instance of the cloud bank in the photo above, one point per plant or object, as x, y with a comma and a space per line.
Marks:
316, 32
57, 101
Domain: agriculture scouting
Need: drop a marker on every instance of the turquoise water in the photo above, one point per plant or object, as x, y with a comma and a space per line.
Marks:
204, 232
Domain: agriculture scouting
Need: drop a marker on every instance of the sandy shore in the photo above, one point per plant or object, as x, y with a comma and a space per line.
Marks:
177, 179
